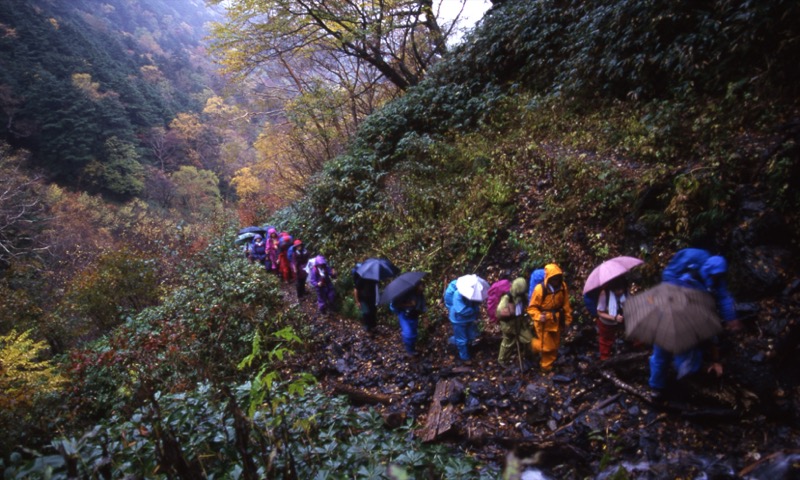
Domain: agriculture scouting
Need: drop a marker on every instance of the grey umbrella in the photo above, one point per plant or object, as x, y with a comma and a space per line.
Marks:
673, 317
252, 229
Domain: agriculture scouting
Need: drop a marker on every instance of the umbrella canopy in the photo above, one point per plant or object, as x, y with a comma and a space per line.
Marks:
609, 270
377, 269
674, 318
400, 285
245, 237
252, 229
473, 287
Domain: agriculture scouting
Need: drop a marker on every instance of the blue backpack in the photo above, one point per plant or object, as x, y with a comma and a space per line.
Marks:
590, 302
537, 277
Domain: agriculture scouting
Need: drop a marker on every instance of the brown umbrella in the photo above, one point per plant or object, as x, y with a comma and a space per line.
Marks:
674, 318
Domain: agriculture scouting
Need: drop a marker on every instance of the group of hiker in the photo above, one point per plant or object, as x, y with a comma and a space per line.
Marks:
288, 258
532, 314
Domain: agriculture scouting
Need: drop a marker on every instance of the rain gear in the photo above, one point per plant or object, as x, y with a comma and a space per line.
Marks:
550, 312
697, 269
366, 294
514, 322
463, 316
321, 278
408, 308
272, 250
258, 250
284, 267
299, 258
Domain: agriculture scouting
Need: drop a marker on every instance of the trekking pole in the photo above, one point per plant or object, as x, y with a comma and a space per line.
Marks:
519, 352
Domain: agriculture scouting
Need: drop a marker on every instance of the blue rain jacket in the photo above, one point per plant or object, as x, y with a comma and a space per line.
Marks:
461, 309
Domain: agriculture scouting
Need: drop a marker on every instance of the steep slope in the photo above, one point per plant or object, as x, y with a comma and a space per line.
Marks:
573, 132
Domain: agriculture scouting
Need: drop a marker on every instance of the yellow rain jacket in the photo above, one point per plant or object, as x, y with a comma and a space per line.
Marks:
550, 312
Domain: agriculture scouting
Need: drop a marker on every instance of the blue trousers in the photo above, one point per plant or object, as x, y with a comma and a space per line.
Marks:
408, 331
684, 363
463, 335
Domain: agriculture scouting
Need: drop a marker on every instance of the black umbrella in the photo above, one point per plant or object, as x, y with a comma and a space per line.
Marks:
400, 285
260, 230
377, 269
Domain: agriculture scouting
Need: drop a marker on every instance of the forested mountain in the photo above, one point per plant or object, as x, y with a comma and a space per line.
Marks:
84, 83
136, 341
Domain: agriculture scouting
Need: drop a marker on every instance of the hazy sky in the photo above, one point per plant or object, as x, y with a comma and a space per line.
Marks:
473, 11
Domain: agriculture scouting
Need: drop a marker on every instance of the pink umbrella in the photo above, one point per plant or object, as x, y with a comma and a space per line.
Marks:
609, 270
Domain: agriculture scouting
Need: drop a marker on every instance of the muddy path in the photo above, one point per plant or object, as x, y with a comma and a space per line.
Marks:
584, 420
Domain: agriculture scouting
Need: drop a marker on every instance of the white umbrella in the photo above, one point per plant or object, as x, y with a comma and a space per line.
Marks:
473, 287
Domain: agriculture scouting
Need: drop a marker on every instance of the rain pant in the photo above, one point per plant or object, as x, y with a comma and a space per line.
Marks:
607, 330
408, 308
463, 316
685, 363
320, 279
299, 260
550, 312
697, 269
514, 322
366, 293
272, 249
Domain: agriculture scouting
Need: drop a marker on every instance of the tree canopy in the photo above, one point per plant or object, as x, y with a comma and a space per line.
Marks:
400, 39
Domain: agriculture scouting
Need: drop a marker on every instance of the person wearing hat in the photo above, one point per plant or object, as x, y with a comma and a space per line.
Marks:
298, 258
321, 278
550, 313
258, 250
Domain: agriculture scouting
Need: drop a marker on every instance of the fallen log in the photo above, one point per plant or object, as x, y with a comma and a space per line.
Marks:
644, 395
442, 413
686, 410
360, 397
621, 359
767, 459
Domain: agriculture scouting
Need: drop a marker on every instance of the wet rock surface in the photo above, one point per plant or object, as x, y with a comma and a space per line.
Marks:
588, 418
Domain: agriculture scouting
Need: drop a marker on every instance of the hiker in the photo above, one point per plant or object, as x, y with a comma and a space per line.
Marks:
271, 263
284, 268
514, 322
258, 252
408, 307
321, 278
697, 269
463, 315
610, 304
298, 257
550, 312
365, 294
